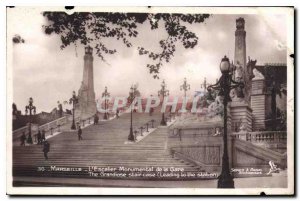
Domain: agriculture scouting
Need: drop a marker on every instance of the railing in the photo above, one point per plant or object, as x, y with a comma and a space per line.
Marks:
51, 127
48, 128
262, 136
17, 133
143, 128
150, 125
84, 122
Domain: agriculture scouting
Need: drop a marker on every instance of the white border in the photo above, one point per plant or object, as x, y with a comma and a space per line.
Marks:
168, 191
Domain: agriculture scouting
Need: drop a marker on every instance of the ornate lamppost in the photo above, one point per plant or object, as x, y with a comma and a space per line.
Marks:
185, 87
224, 85
32, 109
74, 101
131, 99
204, 85
105, 95
163, 92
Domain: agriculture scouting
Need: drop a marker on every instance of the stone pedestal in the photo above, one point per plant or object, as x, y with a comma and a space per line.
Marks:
241, 116
258, 104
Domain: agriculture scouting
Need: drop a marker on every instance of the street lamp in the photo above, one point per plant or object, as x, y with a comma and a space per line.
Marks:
74, 101
31, 108
163, 92
105, 94
224, 85
205, 84
131, 98
185, 87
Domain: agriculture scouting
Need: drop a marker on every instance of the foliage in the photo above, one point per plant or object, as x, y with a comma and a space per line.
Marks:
18, 39
87, 28
14, 109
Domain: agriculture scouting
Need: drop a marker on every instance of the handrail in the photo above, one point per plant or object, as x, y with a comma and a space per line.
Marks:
49, 128
17, 133
20, 129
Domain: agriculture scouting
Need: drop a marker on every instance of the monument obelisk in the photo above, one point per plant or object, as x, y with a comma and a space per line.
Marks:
240, 110
243, 68
86, 106
240, 44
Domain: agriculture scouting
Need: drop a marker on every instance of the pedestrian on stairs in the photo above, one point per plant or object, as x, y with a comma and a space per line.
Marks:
79, 133
96, 119
151, 111
46, 149
43, 136
23, 139
39, 137
117, 113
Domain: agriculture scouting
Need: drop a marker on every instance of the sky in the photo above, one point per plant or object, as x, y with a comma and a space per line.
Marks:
48, 74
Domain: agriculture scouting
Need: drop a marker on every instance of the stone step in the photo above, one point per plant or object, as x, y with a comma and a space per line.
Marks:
103, 146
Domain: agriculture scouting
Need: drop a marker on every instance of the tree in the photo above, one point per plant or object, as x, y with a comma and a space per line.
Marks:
14, 109
18, 39
85, 28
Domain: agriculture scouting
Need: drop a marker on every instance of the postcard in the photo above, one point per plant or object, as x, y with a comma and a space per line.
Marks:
150, 101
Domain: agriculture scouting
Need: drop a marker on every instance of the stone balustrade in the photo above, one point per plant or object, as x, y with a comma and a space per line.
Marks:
262, 136
49, 128
17, 133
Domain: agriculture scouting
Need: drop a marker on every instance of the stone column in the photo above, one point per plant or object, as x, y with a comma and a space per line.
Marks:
240, 44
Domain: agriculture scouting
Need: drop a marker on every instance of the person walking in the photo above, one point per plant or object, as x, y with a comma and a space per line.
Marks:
117, 113
43, 139
39, 137
46, 149
151, 111
96, 119
79, 133
23, 139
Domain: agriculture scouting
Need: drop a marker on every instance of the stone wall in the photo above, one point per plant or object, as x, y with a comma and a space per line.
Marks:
241, 114
205, 151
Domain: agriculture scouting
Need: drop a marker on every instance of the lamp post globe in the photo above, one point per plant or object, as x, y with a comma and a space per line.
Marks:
225, 65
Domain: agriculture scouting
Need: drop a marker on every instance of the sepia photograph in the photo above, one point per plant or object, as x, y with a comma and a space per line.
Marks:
150, 100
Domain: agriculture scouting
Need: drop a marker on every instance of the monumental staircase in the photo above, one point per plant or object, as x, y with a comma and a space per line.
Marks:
104, 146
105, 152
